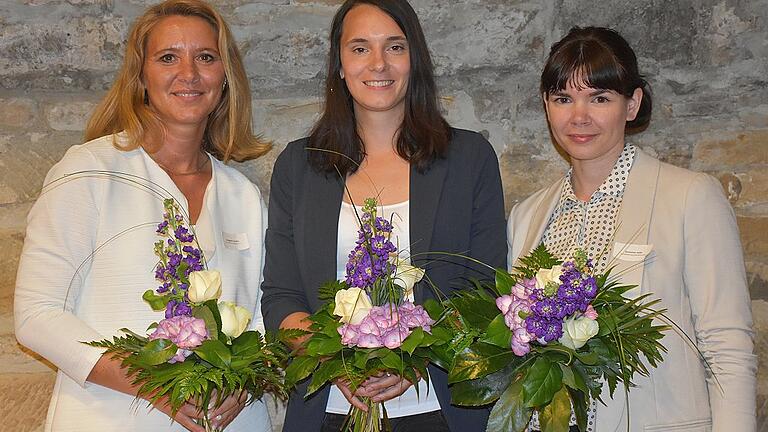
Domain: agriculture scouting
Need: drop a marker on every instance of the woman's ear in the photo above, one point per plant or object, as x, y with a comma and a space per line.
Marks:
633, 104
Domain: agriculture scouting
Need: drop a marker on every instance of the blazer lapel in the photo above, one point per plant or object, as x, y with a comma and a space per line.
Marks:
634, 218
424, 196
320, 220
541, 216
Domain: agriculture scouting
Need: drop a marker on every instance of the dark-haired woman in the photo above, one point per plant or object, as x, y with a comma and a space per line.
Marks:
668, 230
383, 137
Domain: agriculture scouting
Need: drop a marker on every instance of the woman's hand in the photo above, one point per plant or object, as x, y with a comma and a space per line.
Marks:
383, 387
379, 388
222, 416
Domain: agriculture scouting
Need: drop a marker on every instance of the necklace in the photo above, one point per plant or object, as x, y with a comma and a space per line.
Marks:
197, 170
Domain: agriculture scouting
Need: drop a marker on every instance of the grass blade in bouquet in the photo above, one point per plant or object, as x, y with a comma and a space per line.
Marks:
543, 339
369, 324
202, 351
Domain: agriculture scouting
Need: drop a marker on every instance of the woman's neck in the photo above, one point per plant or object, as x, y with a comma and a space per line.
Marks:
181, 150
379, 130
588, 175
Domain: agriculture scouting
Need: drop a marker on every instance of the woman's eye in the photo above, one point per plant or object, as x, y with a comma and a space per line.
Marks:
601, 99
560, 100
167, 58
359, 50
207, 58
397, 48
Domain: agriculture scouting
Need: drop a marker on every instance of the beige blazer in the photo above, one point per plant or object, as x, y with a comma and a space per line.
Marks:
696, 267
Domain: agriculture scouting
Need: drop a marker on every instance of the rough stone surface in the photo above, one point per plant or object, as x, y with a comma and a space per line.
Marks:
24, 400
706, 60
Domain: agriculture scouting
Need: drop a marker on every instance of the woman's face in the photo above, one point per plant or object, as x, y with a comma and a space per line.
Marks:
375, 62
183, 72
588, 123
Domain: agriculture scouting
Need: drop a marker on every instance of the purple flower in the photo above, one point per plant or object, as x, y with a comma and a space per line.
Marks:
395, 336
183, 234
184, 331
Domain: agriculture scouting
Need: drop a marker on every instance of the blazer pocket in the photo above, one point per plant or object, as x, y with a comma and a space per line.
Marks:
701, 425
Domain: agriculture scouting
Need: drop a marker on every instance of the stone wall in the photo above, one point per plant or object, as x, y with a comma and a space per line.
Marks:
707, 61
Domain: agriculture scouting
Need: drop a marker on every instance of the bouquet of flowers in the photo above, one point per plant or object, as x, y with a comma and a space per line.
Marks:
200, 352
544, 339
368, 325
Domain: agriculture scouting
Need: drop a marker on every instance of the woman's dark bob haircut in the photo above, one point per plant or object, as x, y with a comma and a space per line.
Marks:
597, 57
424, 133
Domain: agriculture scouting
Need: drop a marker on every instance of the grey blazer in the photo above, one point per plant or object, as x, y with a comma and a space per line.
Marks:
455, 206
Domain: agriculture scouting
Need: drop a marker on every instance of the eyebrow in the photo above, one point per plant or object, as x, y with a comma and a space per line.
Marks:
395, 38
177, 49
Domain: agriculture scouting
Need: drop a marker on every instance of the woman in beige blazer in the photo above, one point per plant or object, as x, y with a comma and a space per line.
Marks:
669, 230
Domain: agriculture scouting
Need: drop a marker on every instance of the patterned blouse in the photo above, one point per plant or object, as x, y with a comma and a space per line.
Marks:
590, 226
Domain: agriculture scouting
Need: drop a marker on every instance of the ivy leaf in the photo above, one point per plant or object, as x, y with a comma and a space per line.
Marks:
156, 352
215, 353
413, 340
484, 390
320, 345
299, 369
510, 413
204, 313
498, 333
478, 360
156, 302
541, 382
328, 370
504, 282
556, 416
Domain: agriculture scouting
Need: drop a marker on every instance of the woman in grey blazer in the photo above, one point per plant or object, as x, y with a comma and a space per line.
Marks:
668, 230
380, 135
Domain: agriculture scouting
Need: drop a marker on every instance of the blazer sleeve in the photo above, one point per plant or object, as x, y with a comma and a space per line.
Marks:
61, 235
488, 238
715, 278
283, 292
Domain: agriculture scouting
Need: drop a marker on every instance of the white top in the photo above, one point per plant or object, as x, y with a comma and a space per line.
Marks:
64, 296
409, 403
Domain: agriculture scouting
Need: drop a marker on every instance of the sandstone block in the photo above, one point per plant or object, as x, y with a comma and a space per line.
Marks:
732, 151
12, 241
753, 238
29, 157
17, 112
24, 400
69, 116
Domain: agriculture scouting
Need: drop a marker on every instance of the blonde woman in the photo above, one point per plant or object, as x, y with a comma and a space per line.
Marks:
178, 110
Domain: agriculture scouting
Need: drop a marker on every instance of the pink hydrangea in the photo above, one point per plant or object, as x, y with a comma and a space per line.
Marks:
185, 331
386, 326
511, 306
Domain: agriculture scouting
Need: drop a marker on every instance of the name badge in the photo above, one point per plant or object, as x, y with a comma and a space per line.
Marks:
631, 252
236, 241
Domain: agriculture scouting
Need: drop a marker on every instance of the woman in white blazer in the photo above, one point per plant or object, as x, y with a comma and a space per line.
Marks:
179, 108
668, 230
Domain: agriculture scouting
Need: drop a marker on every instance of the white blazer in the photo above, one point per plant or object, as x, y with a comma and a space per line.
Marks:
64, 296
696, 268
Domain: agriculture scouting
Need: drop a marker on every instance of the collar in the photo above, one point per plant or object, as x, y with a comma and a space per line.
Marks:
617, 177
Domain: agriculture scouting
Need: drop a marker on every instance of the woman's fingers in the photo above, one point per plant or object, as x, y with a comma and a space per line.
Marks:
352, 398
222, 416
393, 391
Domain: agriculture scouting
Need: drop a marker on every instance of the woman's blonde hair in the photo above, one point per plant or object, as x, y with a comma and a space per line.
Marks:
228, 134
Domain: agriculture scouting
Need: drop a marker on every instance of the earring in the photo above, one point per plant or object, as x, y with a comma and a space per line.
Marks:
341, 74
224, 85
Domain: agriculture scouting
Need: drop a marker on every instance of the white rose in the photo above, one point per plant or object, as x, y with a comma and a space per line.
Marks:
352, 305
407, 275
204, 285
577, 331
234, 318
544, 276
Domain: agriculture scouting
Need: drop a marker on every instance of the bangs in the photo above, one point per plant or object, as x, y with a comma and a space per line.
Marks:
585, 64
